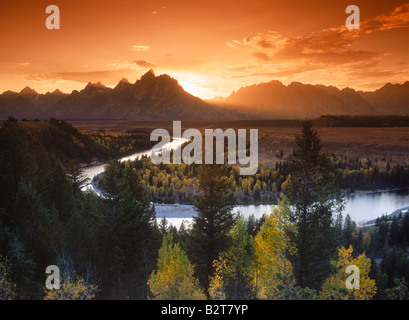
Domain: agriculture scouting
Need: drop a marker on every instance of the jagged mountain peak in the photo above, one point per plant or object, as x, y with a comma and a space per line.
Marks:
124, 80
96, 85
28, 91
123, 84
148, 75
56, 92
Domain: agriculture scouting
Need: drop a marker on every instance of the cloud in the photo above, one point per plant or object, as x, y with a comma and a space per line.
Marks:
143, 64
266, 40
375, 73
261, 56
115, 72
105, 76
328, 51
233, 43
398, 18
140, 48
278, 72
242, 68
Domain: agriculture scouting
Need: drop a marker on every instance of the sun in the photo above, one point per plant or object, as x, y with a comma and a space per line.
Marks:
192, 87
194, 84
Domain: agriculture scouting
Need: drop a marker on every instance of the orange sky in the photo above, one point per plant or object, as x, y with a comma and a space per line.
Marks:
211, 46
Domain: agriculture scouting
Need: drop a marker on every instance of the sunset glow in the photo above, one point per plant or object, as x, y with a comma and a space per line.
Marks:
210, 47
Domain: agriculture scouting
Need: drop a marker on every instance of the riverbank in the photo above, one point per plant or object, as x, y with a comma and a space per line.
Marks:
391, 215
346, 193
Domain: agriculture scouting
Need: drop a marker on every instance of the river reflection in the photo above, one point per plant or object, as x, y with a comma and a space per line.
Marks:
361, 208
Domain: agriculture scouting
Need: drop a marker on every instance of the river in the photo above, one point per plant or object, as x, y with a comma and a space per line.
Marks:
361, 207
93, 170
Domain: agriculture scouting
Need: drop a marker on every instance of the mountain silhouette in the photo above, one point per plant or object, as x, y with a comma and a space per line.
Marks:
149, 98
297, 100
163, 98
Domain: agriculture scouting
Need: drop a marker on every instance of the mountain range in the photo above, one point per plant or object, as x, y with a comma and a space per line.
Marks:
297, 100
162, 98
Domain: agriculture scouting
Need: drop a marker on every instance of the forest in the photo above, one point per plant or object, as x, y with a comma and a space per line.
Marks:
179, 183
112, 247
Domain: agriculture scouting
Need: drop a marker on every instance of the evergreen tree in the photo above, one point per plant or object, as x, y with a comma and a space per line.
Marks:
213, 222
394, 232
23, 270
383, 232
310, 190
163, 226
405, 225
127, 233
15, 160
76, 176
349, 231
395, 264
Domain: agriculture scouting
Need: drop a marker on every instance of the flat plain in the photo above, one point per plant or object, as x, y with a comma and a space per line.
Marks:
379, 144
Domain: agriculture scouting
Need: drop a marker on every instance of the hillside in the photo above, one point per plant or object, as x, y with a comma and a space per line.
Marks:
67, 143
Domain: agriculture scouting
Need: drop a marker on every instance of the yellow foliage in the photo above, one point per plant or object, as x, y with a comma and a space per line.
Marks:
272, 247
72, 290
335, 286
174, 278
217, 281
7, 288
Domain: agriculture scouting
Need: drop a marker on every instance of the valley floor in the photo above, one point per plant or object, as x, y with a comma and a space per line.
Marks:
380, 144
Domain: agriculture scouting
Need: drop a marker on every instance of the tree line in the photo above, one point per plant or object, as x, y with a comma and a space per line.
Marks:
179, 183
112, 247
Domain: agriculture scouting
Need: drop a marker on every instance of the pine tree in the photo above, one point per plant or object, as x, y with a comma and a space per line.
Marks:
214, 220
127, 233
15, 160
310, 190
163, 225
23, 268
76, 176
349, 231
